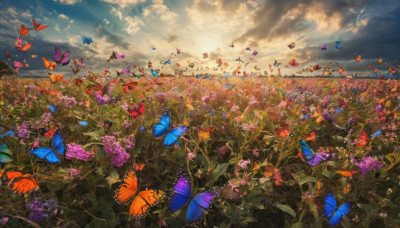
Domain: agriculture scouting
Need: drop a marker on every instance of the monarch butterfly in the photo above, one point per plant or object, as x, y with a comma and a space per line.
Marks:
137, 112
56, 78
129, 86
19, 183
48, 64
23, 30
94, 86
142, 200
37, 26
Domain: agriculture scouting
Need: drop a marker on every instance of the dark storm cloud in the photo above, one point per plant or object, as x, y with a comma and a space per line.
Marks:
270, 22
101, 32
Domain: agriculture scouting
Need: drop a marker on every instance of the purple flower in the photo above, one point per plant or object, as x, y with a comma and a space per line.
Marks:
205, 99
38, 216
102, 100
161, 97
66, 101
379, 108
74, 172
4, 220
320, 157
130, 142
51, 206
244, 164
76, 151
22, 131
367, 164
126, 124
118, 154
35, 205
46, 117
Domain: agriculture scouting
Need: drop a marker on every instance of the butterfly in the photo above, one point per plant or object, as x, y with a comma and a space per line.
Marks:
311, 158
178, 51
311, 137
87, 40
362, 141
137, 112
163, 127
19, 183
46, 133
49, 65
338, 46
24, 30
21, 45
75, 70
53, 109
182, 196
118, 56
129, 86
138, 166
53, 154
376, 134
248, 49
276, 64
229, 86
5, 154
317, 67
324, 48
167, 62
8, 55
83, 123
340, 70
292, 45
239, 60
330, 210
94, 86
346, 173
255, 52
112, 56
154, 72
126, 71
205, 55
61, 58
358, 59
17, 64
56, 78
293, 62
231, 45
142, 201
37, 26
380, 60
79, 62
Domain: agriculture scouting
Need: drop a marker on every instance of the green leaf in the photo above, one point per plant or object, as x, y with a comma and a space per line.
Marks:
297, 225
60, 172
219, 170
113, 178
286, 208
305, 179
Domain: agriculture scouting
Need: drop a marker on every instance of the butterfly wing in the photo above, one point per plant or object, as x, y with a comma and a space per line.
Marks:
52, 108
5, 155
18, 43
23, 30
195, 212
23, 184
57, 55
173, 135
58, 143
307, 151
128, 187
26, 47
142, 203
182, 193
65, 58
330, 205
38, 27
342, 211
41, 152
162, 127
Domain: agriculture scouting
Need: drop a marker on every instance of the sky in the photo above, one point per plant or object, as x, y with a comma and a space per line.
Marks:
370, 28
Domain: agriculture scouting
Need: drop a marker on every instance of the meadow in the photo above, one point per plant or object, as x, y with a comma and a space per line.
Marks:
266, 152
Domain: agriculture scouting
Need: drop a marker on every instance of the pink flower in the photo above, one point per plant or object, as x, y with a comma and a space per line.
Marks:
205, 98
234, 108
244, 164
256, 153
74, 172
76, 151
192, 155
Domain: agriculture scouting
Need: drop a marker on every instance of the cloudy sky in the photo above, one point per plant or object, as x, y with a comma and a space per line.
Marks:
367, 27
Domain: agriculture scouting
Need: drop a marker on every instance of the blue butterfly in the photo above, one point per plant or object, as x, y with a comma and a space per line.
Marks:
330, 207
226, 75
198, 76
376, 134
182, 196
52, 108
154, 73
51, 154
311, 158
83, 123
8, 133
164, 128
87, 40
167, 62
276, 64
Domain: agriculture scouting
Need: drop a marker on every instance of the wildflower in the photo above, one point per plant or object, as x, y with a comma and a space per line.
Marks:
205, 99
117, 152
161, 220
76, 151
130, 142
249, 127
102, 100
244, 164
367, 164
126, 124
161, 97
4, 220
36, 142
223, 151
234, 108
46, 117
35, 205
22, 131
74, 172
192, 155
256, 153
253, 100
40, 210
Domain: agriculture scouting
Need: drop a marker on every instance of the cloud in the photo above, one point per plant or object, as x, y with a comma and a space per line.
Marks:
63, 16
106, 21
133, 24
12, 11
116, 12
171, 38
26, 14
68, 2
124, 3
111, 38
159, 9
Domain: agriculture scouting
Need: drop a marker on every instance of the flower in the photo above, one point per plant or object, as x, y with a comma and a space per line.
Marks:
4, 220
234, 108
35, 205
126, 124
130, 142
41, 210
192, 155
243, 164
367, 164
22, 131
256, 153
161, 97
36, 142
76, 151
101, 100
38, 216
205, 98
253, 100
118, 154
74, 172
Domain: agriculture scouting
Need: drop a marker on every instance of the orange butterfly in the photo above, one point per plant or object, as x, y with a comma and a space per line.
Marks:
189, 104
346, 173
56, 78
21, 45
129, 86
311, 137
380, 60
19, 183
362, 141
33, 56
23, 30
138, 166
358, 58
48, 64
340, 70
369, 66
141, 200
375, 70
37, 26
94, 86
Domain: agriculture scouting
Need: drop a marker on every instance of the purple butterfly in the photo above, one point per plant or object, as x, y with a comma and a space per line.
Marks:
61, 58
255, 52
324, 48
126, 71
118, 56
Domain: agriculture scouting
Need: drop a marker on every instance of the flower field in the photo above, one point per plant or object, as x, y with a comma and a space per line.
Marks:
223, 152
